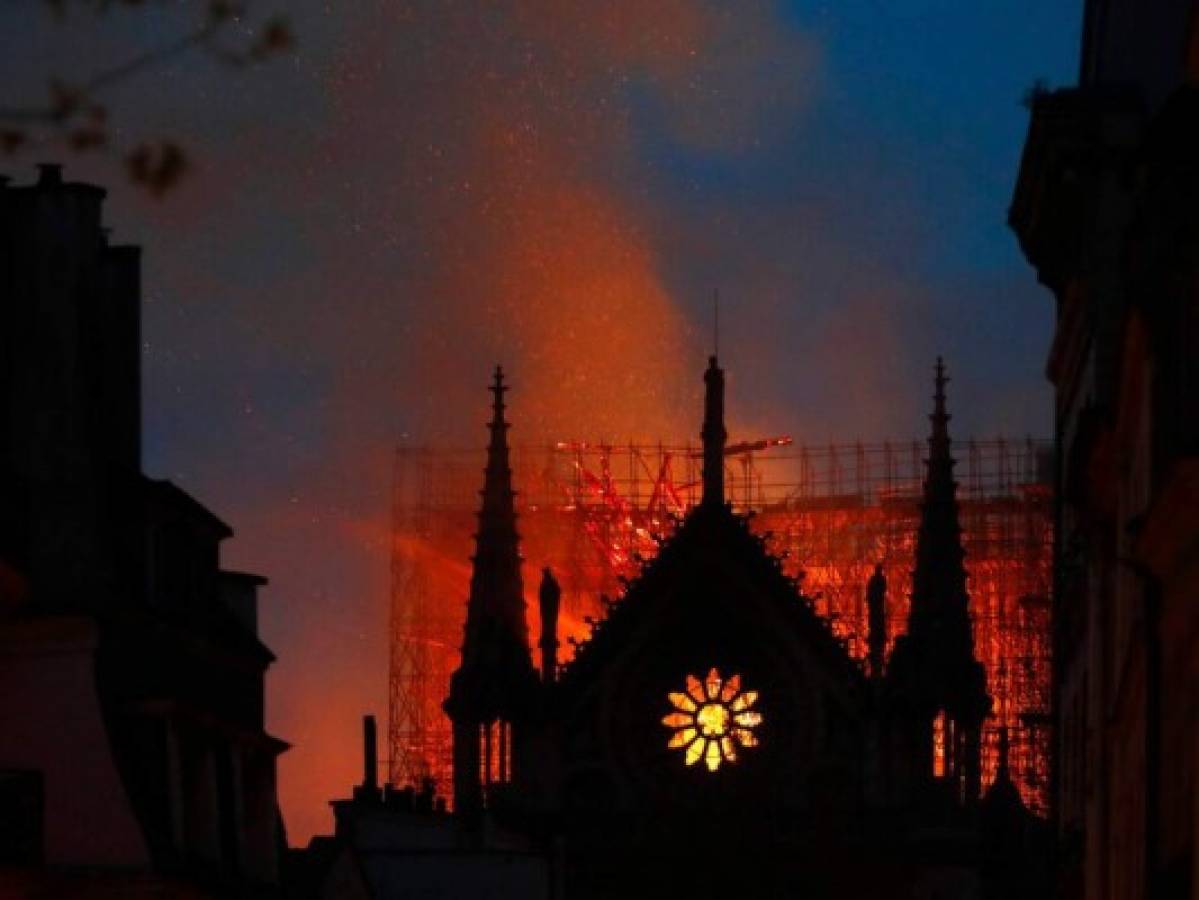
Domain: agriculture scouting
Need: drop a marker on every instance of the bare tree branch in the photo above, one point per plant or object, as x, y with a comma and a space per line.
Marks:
75, 116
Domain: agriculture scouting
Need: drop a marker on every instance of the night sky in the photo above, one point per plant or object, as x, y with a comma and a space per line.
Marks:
422, 190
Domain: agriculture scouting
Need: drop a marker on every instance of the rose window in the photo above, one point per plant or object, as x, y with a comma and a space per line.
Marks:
712, 719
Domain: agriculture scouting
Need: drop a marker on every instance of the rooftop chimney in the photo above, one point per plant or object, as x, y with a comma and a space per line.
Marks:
50, 175
370, 754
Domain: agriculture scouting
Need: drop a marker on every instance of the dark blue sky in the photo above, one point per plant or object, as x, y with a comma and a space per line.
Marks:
897, 179
424, 189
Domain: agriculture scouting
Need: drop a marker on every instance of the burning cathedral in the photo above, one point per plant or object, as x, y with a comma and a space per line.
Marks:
713, 737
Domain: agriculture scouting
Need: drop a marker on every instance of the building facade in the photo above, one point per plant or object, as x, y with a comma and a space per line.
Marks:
1106, 208
714, 736
133, 755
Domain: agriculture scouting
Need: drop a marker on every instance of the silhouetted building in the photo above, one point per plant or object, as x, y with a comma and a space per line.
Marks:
133, 758
1106, 208
713, 738
390, 843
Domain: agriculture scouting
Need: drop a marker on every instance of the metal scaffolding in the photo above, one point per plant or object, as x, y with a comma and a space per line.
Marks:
594, 511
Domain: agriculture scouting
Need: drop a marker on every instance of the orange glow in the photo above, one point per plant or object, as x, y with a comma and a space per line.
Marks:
713, 720
511, 224
939, 743
591, 511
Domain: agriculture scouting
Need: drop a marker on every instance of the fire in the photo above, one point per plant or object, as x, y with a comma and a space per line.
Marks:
594, 512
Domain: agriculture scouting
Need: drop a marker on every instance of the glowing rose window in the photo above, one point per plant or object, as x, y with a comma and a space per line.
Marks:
712, 719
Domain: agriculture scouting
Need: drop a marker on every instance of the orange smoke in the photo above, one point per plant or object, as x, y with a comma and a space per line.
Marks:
499, 177
595, 343
521, 210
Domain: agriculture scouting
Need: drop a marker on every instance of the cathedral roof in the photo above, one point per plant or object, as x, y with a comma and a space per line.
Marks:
713, 565
711, 538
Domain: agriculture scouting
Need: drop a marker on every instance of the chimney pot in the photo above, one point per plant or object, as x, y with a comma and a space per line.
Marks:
370, 753
50, 175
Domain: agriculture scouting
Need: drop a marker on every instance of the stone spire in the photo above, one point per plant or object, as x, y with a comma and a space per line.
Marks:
1003, 798
939, 601
713, 434
933, 666
496, 661
494, 686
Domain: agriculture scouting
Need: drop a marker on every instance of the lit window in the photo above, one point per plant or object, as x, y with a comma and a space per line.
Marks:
712, 719
495, 752
940, 733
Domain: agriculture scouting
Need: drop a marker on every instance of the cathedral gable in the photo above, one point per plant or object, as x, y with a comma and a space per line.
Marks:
712, 679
